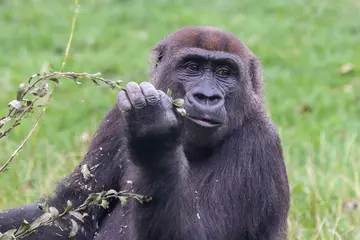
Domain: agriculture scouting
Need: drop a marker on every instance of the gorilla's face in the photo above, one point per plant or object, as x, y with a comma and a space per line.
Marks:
207, 81
206, 78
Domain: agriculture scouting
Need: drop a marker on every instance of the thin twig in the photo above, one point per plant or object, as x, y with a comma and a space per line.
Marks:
4, 167
52, 214
76, 12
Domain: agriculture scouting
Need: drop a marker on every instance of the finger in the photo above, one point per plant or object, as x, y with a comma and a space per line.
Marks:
150, 93
168, 105
165, 99
135, 94
123, 102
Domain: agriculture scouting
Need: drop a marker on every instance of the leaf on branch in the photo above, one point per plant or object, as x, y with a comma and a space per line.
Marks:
104, 204
33, 76
75, 78
74, 228
95, 82
43, 219
179, 102
4, 120
86, 172
182, 111
24, 227
15, 104
54, 212
142, 199
77, 215
20, 92
54, 80
94, 75
67, 209
93, 198
112, 84
41, 91
123, 200
9, 235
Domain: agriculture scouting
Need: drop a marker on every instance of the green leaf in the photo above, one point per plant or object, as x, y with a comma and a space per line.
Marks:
85, 171
182, 111
111, 193
98, 74
24, 227
9, 235
54, 80
74, 228
41, 91
20, 92
77, 215
68, 208
33, 76
104, 203
93, 198
15, 104
169, 92
43, 219
54, 212
179, 102
4, 120
123, 200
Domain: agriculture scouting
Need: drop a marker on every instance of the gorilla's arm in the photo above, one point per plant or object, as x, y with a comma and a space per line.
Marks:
103, 162
159, 168
172, 212
10, 219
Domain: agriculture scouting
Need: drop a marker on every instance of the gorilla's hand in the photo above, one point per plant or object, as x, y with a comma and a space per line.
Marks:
148, 112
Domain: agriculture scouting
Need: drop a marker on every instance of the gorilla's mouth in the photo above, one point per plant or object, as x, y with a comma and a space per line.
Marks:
204, 122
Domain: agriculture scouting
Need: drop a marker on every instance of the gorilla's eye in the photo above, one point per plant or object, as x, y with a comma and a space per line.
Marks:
194, 67
223, 72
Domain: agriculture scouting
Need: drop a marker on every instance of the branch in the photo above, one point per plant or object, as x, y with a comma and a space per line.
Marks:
37, 88
51, 215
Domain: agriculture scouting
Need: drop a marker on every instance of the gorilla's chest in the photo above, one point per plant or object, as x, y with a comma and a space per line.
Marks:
218, 219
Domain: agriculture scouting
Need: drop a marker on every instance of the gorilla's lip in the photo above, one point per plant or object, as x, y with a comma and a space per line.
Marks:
205, 122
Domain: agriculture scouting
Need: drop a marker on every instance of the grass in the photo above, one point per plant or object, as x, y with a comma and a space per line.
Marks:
301, 43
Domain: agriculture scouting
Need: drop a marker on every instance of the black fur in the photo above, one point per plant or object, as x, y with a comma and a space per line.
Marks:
207, 182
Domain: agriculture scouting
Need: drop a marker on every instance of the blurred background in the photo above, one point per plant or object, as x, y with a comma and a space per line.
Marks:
310, 51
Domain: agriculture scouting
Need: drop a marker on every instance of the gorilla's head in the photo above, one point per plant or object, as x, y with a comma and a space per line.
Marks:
216, 74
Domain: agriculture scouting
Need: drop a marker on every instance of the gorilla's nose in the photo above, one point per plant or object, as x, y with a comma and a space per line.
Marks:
206, 100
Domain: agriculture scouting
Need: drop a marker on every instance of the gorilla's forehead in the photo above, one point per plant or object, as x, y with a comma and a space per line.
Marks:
208, 54
207, 38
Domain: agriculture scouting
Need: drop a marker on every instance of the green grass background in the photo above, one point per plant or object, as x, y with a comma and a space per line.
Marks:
301, 43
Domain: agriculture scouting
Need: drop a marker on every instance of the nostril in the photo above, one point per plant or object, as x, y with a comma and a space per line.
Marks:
200, 96
215, 98
207, 100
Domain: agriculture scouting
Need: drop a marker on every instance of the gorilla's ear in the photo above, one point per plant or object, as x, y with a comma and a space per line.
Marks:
256, 76
157, 55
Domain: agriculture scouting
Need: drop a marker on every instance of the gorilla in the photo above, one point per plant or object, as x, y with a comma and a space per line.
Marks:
216, 173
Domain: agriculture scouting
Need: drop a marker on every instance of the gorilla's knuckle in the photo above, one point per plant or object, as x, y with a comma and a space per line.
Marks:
150, 93
139, 102
152, 98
